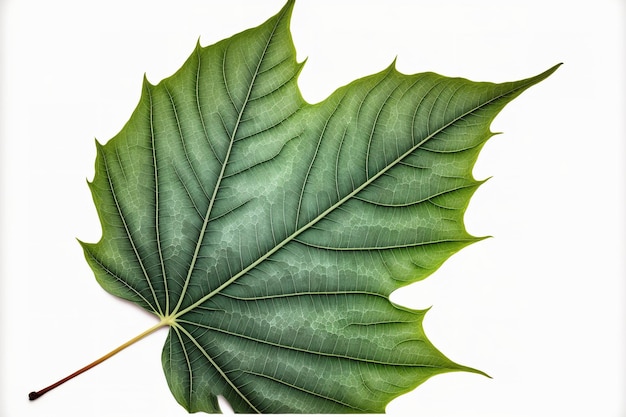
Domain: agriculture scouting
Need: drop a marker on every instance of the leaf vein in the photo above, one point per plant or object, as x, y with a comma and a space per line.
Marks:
217, 367
302, 389
127, 230
222, 172
355, 358
157, 214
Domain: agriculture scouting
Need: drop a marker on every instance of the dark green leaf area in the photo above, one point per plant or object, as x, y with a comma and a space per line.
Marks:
327, 351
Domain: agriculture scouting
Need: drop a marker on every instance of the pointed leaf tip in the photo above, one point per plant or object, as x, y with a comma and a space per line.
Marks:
545, 74
289, 5
146, 84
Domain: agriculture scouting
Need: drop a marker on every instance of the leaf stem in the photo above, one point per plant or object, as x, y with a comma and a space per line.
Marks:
36, 394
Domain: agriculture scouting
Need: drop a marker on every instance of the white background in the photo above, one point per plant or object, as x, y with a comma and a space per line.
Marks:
540, 307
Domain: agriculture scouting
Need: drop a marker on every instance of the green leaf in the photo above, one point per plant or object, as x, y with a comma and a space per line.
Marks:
268, 233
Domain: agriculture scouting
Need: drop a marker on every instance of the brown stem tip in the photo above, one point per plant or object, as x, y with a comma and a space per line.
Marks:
36, 394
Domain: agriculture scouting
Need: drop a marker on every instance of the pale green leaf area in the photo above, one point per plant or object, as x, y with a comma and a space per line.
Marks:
268, 233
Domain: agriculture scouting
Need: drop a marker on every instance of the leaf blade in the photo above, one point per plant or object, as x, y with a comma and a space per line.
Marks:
270, 232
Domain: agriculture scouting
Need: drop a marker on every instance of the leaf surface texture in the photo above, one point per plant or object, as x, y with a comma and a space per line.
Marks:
270, 232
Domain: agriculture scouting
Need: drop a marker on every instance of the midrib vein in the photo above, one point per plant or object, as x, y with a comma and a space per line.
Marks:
205, 222
339, 203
